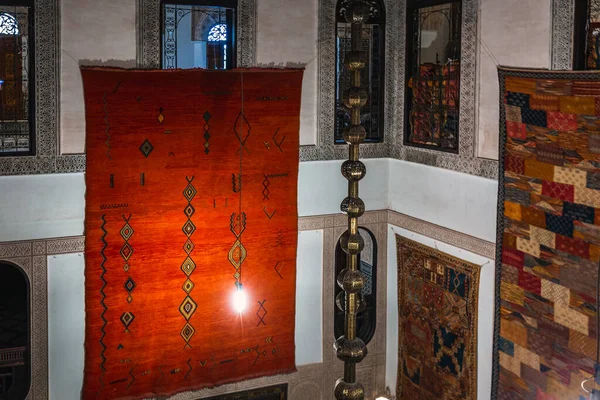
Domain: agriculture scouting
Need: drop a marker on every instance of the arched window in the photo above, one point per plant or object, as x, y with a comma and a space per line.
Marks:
199, 33
372, 75
367, 261
216, 54
15, 375
16, 78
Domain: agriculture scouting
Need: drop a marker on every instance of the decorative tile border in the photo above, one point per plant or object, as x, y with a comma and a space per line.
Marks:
148, 52
466, 160
449, 236
32, 258
563, 18
48, 160
47, 109
310, 381
325, 149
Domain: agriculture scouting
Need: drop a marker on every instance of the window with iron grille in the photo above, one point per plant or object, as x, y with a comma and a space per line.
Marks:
366, 320
373, 44
16, 78
433, 74
199, 34
586, 48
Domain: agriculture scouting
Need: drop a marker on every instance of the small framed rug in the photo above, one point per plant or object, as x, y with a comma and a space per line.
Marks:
437, 324
548, 240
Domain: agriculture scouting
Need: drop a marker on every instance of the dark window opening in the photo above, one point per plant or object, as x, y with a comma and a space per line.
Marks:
433, 74
16, 78
586, 49
15, 376
199, 34
367, 261
373, 44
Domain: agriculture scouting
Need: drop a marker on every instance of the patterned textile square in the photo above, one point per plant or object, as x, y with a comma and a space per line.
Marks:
547, 249
191, 196
437, 324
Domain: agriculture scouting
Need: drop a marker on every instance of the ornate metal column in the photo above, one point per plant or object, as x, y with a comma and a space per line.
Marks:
349, 348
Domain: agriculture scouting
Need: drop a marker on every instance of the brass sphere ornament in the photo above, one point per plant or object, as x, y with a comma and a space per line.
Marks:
352, 243
358, 12
355, 60
354, 170
348, 391
351, 281
340, 301
355, 134
355, 97
350, 350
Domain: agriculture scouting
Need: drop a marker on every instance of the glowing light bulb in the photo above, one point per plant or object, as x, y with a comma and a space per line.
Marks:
239, 300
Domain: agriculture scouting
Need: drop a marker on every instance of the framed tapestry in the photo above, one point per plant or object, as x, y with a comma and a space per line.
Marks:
191, 228
437, 324
545, 339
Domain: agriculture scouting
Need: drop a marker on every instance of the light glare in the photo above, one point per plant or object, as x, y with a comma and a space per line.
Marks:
239, 300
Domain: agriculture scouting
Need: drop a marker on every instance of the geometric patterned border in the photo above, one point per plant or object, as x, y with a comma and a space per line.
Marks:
47, 104
47, 68
32, 258
148, 48
325, 149
310, 382
466, 160
563, 19
457, 239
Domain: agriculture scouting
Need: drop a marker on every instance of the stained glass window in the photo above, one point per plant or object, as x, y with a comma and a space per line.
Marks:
16, 74
218, 33
366, 318
373, 44
8, 24
199, 34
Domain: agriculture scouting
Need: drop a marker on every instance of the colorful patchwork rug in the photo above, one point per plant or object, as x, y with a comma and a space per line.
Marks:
437, 324
191, 211
548, 234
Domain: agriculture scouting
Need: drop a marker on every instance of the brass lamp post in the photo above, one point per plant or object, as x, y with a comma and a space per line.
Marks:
349, 348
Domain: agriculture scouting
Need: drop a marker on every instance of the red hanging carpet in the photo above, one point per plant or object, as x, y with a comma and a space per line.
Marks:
191, 192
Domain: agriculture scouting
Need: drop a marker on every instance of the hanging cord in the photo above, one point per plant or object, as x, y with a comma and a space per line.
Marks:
241, 166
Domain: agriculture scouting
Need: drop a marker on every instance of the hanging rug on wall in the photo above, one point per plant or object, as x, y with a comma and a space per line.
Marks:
437, 324
548, 234
191, 211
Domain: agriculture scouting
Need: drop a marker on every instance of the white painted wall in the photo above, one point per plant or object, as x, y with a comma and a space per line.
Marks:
464, 203
485, 318
66, 325
48, 206
66, 316
92, 33
513, 33
287, 33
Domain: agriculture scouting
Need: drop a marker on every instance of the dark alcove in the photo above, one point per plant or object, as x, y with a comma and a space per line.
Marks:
15, 377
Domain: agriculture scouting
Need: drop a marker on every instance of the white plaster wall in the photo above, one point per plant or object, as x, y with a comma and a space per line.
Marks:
41, 206
287, 33
66, 316
464, 203
92, 33
485, 318
513, 33
66, 325
49, 206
